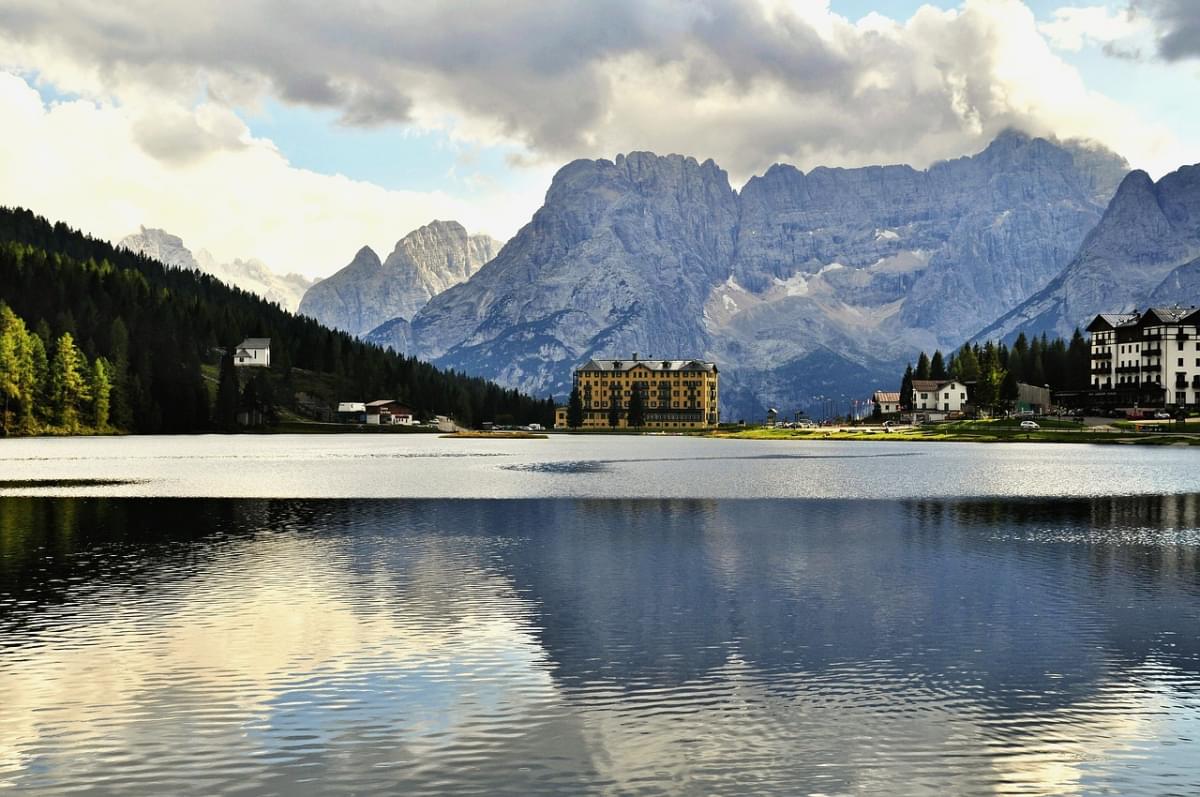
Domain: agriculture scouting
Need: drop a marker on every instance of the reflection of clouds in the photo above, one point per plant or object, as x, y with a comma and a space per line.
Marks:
853, 731
270, 628
576, 646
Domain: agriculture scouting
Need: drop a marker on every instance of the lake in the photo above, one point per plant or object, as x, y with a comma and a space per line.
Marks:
597, 615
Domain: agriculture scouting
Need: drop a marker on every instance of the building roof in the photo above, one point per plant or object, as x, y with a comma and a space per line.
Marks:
1112, 321
255, 343
653, 365
931, 385
351, 406
884, 397
1166, 315
387, 403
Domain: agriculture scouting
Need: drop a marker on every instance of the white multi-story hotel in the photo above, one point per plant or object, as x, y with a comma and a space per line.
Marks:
1149, 359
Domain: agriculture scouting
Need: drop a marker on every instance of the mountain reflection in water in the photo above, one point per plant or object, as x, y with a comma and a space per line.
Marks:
617, 646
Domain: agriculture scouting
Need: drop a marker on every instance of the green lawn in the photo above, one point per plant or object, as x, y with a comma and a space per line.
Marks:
998, 431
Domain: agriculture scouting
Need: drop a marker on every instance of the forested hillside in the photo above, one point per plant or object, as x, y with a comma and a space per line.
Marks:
993, 370
149, 329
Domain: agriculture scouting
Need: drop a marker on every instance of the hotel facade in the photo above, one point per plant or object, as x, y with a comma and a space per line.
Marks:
1149, 359
676, 394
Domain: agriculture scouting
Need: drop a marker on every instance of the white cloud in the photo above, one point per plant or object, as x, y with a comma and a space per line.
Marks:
107, 170
746, 82
1073, 27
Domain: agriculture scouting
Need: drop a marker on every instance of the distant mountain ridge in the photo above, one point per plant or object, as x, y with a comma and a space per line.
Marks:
1145, 250
249, 275
368, 292
798, 286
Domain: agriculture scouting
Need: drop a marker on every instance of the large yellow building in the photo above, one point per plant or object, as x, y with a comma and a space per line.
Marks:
676, 394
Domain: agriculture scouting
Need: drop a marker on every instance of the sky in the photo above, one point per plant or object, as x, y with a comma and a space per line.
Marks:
296, 131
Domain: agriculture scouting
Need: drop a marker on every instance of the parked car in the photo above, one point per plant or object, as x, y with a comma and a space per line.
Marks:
1162, 415
1030, 425
804, 423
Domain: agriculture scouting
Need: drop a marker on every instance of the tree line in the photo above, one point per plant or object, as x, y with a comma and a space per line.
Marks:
993, 370
152, 327
49, 386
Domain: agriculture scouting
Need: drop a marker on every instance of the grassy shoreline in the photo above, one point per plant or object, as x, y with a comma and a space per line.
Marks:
974, 432
480, 435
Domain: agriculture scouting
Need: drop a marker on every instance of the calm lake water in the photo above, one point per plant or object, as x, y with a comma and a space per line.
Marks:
381, 615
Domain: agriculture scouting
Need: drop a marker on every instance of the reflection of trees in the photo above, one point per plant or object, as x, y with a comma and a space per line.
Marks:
985, 596
663, 592
51, 548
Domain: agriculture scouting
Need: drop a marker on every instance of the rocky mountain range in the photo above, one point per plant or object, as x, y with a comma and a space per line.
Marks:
799, 285
368, 292
1145, 251
249, 275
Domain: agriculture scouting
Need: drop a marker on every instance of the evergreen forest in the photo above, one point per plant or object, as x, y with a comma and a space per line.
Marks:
97, 338
993, 370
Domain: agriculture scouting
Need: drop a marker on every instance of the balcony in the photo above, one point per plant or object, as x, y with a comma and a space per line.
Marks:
1152, 351
1128, 369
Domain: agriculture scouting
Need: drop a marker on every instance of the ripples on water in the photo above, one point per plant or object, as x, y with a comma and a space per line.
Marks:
170, 646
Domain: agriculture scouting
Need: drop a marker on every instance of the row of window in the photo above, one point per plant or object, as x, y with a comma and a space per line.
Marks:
1136, 364
1129, 348
677, 405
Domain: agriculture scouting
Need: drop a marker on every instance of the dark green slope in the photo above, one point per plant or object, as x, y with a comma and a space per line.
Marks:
160, 325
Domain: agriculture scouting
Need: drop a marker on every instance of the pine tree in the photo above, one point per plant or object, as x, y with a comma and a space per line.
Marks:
68, 383
227, 394
937, 367
101, 389
575, 409
906, 389
637, 407
121, 412
967, 365
922, 367
1009, 388
13, 353
991, 376
40, 411
614, 409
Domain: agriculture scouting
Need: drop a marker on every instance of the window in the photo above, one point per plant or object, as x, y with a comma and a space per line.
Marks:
1180, 362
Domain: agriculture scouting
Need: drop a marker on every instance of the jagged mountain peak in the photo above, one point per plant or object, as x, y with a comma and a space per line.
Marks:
424, 262
366, 257
1144, 247
853, 266
248, 274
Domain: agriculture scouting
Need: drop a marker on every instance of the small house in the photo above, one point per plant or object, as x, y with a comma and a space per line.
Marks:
946, 395
886, 403
253, 352
351, 412
387, 412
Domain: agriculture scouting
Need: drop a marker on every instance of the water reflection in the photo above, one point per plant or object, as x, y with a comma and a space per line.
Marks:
600, 646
